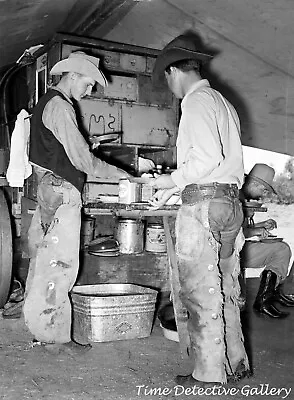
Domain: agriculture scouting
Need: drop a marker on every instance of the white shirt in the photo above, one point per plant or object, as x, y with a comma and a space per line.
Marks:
208, 145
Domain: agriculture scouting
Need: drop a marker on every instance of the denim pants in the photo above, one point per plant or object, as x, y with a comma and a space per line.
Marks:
54, 238
209, 239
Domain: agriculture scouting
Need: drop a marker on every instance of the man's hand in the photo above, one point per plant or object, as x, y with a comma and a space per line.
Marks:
270, 224
163, 182
161, 197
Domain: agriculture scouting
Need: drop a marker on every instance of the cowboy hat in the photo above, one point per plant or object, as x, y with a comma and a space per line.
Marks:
81, 63
264, 174
182, 47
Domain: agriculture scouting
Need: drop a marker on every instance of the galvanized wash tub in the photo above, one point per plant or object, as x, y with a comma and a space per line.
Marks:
107, 312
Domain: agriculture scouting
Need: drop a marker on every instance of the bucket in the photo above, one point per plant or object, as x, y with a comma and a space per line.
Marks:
155, 238
87, 230
130, 235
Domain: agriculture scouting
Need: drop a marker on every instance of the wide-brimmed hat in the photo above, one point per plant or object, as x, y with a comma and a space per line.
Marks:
81, 63
183, 47
264, 174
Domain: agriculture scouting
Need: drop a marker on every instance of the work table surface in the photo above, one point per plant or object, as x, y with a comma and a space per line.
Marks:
130, 210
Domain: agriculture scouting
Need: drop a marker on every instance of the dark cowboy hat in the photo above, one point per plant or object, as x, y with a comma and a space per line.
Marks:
264, 174
183, 47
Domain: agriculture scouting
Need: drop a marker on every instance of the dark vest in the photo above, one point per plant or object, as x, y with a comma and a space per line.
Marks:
46, 151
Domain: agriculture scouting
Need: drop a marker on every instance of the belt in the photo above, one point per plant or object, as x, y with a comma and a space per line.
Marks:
195, 193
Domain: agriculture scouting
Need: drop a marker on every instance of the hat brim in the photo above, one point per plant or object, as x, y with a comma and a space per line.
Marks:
69, 66
171, 55
269, 187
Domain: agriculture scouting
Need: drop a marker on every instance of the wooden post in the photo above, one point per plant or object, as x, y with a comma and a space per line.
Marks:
179, 309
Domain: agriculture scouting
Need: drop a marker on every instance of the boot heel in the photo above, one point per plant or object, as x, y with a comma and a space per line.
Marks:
266, 295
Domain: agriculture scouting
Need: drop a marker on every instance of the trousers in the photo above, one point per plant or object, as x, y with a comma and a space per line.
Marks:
54, 241
208, 241
273, 256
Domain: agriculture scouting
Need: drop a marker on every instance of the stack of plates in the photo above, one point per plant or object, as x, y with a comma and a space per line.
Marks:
104, 247
252, 204
104, 253
271, 239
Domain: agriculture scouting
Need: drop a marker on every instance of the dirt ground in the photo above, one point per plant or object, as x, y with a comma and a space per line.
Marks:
134, 369
108, 371
142, 368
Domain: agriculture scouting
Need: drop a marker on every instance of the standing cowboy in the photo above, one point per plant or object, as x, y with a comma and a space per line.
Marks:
61, 159
209, 175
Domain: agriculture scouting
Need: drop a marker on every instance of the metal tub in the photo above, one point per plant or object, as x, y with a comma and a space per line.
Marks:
108, 312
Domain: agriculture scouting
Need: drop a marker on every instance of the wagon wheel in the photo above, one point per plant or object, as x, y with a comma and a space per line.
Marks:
5, 250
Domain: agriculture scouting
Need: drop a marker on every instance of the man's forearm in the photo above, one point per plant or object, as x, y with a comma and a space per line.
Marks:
102, 169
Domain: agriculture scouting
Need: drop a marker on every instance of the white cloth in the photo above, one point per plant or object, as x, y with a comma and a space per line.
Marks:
19, 167
145, 164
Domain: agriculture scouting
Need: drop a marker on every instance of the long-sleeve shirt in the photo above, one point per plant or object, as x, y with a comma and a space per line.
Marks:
208, 145
60, 118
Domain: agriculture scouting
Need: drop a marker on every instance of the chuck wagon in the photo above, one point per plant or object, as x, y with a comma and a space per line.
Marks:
143, 119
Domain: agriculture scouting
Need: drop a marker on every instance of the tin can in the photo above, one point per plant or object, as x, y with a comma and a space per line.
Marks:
87, 230
146, 192
130, 235
155, 238
128, 192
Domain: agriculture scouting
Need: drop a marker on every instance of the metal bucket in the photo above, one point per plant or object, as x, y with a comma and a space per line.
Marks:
155, 238
130, 235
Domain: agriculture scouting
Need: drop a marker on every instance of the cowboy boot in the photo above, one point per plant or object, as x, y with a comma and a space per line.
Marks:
266, 296
284, 299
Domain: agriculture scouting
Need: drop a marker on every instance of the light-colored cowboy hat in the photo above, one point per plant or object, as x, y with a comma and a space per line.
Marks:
81, 63
183, 47
264, 174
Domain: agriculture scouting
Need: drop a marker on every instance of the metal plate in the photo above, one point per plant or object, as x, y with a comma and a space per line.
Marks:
5, 250
252, 203
122, 87
106, 138
104, 254
271, 240
145, 125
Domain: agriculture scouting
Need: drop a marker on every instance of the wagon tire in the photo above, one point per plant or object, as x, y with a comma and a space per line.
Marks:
5, 250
